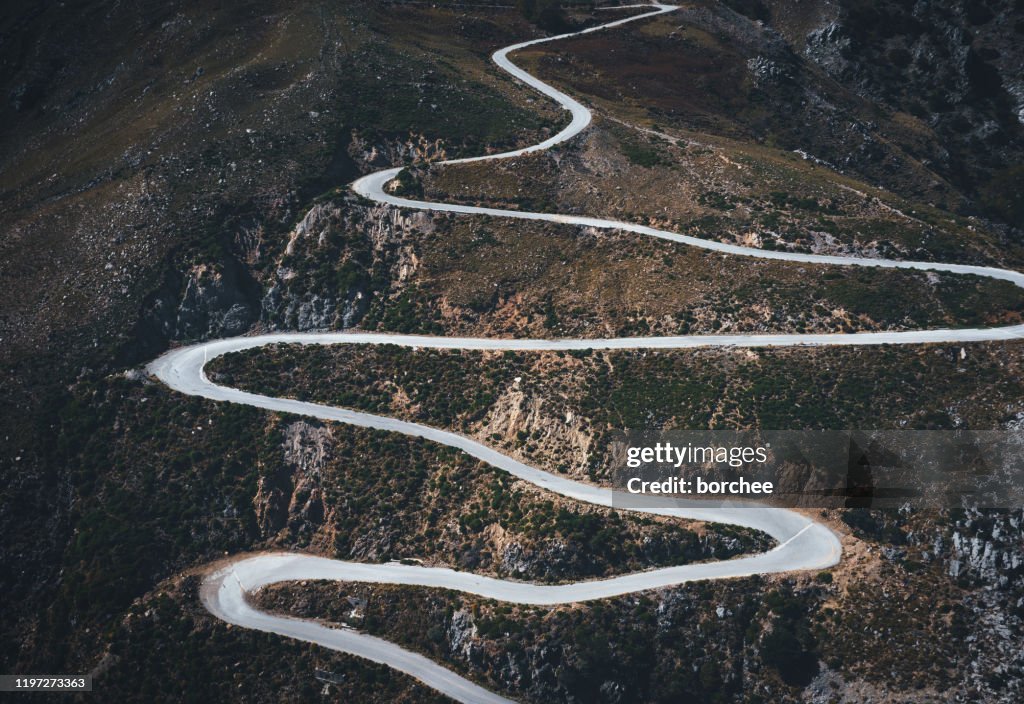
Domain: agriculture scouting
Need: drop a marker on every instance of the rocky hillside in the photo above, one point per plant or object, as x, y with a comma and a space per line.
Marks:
922, 98
154, 160
176, 171
956, 67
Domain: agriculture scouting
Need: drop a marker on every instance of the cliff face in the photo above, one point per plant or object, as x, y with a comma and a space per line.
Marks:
339, 259
289, 499
537, 426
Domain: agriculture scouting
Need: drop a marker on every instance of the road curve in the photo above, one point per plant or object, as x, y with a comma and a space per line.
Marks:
802, 544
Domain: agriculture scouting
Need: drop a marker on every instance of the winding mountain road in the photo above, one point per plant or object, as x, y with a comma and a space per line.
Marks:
802, 544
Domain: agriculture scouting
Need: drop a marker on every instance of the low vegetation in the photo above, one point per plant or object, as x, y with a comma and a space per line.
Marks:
158, 482
557, 408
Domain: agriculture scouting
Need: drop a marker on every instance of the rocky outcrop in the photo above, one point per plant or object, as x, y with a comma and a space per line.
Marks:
384, 153
338, 259
461, 632
948, 65
827, 46
216, 302
209, 299
986, 546
536, 427
290, 497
